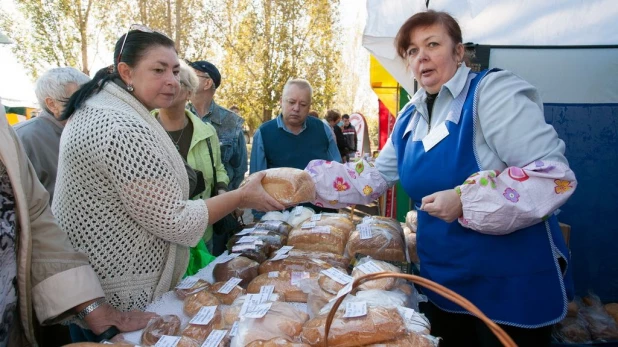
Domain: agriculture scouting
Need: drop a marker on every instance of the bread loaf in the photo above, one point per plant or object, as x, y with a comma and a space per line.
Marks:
572, 330
199, 332
240, 267
159, 326
381, 284
288, 186
338, 221
230, 313
277, 342
226, 299
292, 263
412, 220
384, 244
299, 215
336, 260
321, 238
379, 325
193, 303
274, 225
282, 282
271, 241
282, 320
329, 285
198, 286
612, 309
390, 222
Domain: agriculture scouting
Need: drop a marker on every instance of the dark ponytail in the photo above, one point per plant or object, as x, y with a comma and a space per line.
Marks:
135, 47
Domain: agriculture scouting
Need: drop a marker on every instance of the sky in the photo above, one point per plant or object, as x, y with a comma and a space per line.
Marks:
17, 88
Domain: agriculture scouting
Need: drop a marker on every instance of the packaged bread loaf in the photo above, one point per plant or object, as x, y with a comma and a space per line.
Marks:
159, 326
177, 341
378, 325
285, 283
336, 260
289, 186
336, 220
269, 240
299, 215
255, 251
412, 220
332, 280
274, 215
367, 265
318, 238
410, 239
281, 320
391, 223
293, 263
572, 330
226, 298
231, 313
193, 303
274, 225
601, 325
182, 290
199, 331
378, 241
240, 267
409, 340
612, 310
277, 342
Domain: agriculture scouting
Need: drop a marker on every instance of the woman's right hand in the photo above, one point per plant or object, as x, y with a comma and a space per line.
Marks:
255, 197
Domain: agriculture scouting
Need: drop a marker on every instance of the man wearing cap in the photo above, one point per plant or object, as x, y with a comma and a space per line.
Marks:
227, 123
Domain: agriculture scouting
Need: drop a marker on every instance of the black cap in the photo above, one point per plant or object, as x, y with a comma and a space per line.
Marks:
209, 68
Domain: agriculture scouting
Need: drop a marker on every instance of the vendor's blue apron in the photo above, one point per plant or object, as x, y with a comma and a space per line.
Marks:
515, 279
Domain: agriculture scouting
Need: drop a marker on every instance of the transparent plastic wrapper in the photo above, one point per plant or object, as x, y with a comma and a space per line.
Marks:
316, 296
193, 303
411, 245
410, 340
281, 320
183, 341
254, 251
572, 330
412, 220
274, 225
288, 186
271, 241
384, 243
240, 267
374, 297
286, 283
230, 313
389, 222
601, 325
336, 260
612, 309
299, 215
378, 325
336, 220
383, 283
159, 326
275, 215
293, 263
200, 285
319, 238
199, 332
277, 342
227, 299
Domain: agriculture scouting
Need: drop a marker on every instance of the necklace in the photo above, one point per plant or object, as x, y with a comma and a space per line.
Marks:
175, 142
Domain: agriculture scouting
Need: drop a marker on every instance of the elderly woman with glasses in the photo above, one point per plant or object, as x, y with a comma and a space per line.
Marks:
122, 192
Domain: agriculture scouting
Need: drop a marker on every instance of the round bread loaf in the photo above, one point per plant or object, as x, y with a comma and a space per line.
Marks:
193, 303
226, 299
240, 267
159, 326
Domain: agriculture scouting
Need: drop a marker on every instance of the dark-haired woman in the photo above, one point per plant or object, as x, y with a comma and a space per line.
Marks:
487, 173
122, 190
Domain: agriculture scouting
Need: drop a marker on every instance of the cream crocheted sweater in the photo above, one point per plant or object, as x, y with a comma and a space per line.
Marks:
122, 195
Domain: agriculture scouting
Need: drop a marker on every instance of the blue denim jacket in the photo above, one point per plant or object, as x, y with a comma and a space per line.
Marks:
232, 140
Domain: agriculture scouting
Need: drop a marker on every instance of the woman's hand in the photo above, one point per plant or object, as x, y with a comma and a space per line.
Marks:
445, 205
254, 196
105, 316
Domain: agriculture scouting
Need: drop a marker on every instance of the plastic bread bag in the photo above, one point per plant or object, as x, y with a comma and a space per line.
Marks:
239, 267
412, 220
274, 225
602, 326
391, 223
374, 297
378, 324
280, 320
378, 241
311, 237
193, 303
277, 342
176, 341
336, 260
612, 309
317, 298
368, 265
256, 250
572, 330
410, 239
289, 186
266, 240
158, 327
299, 215
220, 291
286, 283
337, 220
207, 320
410, 340
275, 215
231, 313
293, 263
190, 285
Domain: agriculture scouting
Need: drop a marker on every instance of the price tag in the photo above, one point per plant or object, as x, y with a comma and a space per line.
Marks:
279, 256
247, 239
418, 322
298, 210
365, 231
298, 276
243, 247
355, 309
245, 231
167, 341
316, 217
308, 225
369, 268
204, 315
258, 311
269, 225
229, 285
265, 293
273, 274
343, 291
338, 276
229, 257
260, 232
320, 230
187, 283
234, 329
250, 301
284, 249
215, 338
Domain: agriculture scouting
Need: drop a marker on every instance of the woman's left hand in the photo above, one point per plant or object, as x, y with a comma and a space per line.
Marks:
445, 205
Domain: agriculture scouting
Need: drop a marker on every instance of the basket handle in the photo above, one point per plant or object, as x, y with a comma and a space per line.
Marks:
504, 338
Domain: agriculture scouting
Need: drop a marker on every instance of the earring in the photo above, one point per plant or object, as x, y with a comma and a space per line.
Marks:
459, 64
130, 87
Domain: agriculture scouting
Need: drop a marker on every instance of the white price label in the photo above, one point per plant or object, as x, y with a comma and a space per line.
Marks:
338, 276
167, 341
308, 225
298, 210
234, 329
298, 276
204, 315
269, 225
251, 301
265, 293
273, 274
243, 247
226, 258
245, 231
345, 290
229, 285
258, 311
284, 249
215, 338
260, 232
366, 219
316, 217
187, 283
279, 256
355, 309
417, 322
369, 268
320, 230
247, 239
365, 231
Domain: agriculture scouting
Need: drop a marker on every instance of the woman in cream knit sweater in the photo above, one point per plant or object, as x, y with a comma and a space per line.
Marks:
122, 192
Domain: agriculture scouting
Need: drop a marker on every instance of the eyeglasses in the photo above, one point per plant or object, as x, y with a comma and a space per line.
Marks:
293, 102
138, 27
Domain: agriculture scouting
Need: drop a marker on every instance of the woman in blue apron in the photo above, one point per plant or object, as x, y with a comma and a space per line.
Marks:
487, 173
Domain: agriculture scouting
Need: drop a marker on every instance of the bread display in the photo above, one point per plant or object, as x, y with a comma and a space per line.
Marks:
159, 326
379, 325
182, 293
319, 238
240, 267
384, 243
199, 332
289, 186
381, 284
193, 303
277, 342
226, 299
282, 280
